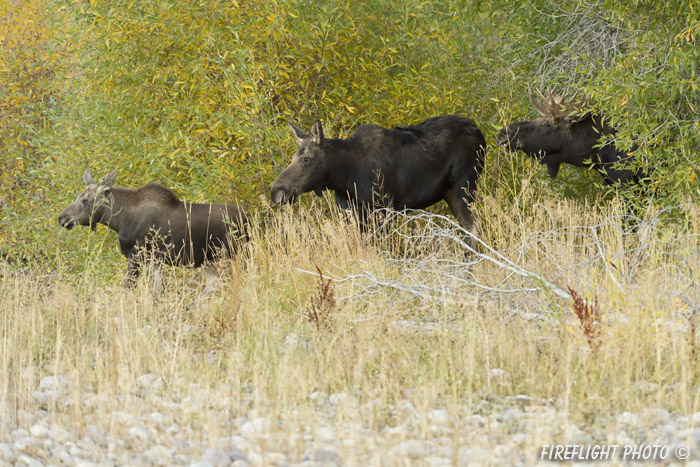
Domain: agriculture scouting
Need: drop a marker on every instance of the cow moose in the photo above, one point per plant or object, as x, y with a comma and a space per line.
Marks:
408, 167
564, 134
154, 226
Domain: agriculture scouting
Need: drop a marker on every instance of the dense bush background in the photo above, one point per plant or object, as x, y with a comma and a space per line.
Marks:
196, 95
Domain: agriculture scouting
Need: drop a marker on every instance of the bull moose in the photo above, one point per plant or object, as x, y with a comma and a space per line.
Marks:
153, 225
408, 167
564, 134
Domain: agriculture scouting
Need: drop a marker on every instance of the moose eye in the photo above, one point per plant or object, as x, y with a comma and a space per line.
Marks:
305, 160
545, 125
85, 202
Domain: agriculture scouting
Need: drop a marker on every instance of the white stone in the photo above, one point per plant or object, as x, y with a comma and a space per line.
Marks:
216, 457
293, 342
371, 408
18, 433
439, 417
657, 415
499, 373
628, 418
406, 407
6, 453
39, 430
397, 431
60, 434
75, 451
146, 380
122, 417
524, 399
140, 432
476, 421
158, 418
512, 415
325, 434
150, 381
255, 458
474, 456
25, 443
342, 399
159, 455
47, 397
328, 455
410, 448
623, 439
434, 461
240, 443
192, 404
319, 398
275, 458
645, 387
30, 461
65, 457
256, 427
57, 382
87, 444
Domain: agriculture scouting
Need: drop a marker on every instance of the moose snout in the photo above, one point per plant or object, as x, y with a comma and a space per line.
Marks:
502, 137
506, 137
66, 221
280, 193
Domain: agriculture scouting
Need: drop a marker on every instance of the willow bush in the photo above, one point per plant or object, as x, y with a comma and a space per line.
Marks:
196, 95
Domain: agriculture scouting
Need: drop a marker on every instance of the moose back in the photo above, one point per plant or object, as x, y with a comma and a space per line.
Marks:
153, 224
408, 167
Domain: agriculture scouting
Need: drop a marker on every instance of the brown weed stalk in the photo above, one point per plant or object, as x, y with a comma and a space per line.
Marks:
692, 333
321, 307
589, 318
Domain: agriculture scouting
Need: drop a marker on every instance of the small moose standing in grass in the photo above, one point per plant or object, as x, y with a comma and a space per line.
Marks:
154, 227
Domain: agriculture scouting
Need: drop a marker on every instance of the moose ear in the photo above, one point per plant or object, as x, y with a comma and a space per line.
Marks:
108, 180
298, 134
317, 132
571, 119
87, 178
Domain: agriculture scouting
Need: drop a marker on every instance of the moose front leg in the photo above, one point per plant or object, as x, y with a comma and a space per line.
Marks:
133, 271
156, 279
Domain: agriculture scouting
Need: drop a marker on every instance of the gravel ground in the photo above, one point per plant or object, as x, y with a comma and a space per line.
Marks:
204, 429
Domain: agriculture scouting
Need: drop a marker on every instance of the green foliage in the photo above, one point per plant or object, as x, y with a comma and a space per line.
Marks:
31, 57
196, 95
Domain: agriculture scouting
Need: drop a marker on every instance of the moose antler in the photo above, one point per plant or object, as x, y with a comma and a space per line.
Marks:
558, 106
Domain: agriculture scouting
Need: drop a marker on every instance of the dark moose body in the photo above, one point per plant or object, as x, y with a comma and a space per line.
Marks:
408, 167
564, 135
152, 223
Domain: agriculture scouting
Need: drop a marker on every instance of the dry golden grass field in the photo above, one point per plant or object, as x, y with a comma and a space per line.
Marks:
326, 346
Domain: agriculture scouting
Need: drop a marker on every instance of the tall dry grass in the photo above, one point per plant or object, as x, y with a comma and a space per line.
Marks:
408, 315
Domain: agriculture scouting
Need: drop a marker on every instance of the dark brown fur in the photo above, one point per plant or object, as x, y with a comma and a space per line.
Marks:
410, 167
152, 223
561, 135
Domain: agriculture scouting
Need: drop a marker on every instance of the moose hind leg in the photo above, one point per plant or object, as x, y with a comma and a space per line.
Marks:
458, 200
213, 280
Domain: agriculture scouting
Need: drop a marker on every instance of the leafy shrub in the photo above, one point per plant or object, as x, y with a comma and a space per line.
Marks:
195, 95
